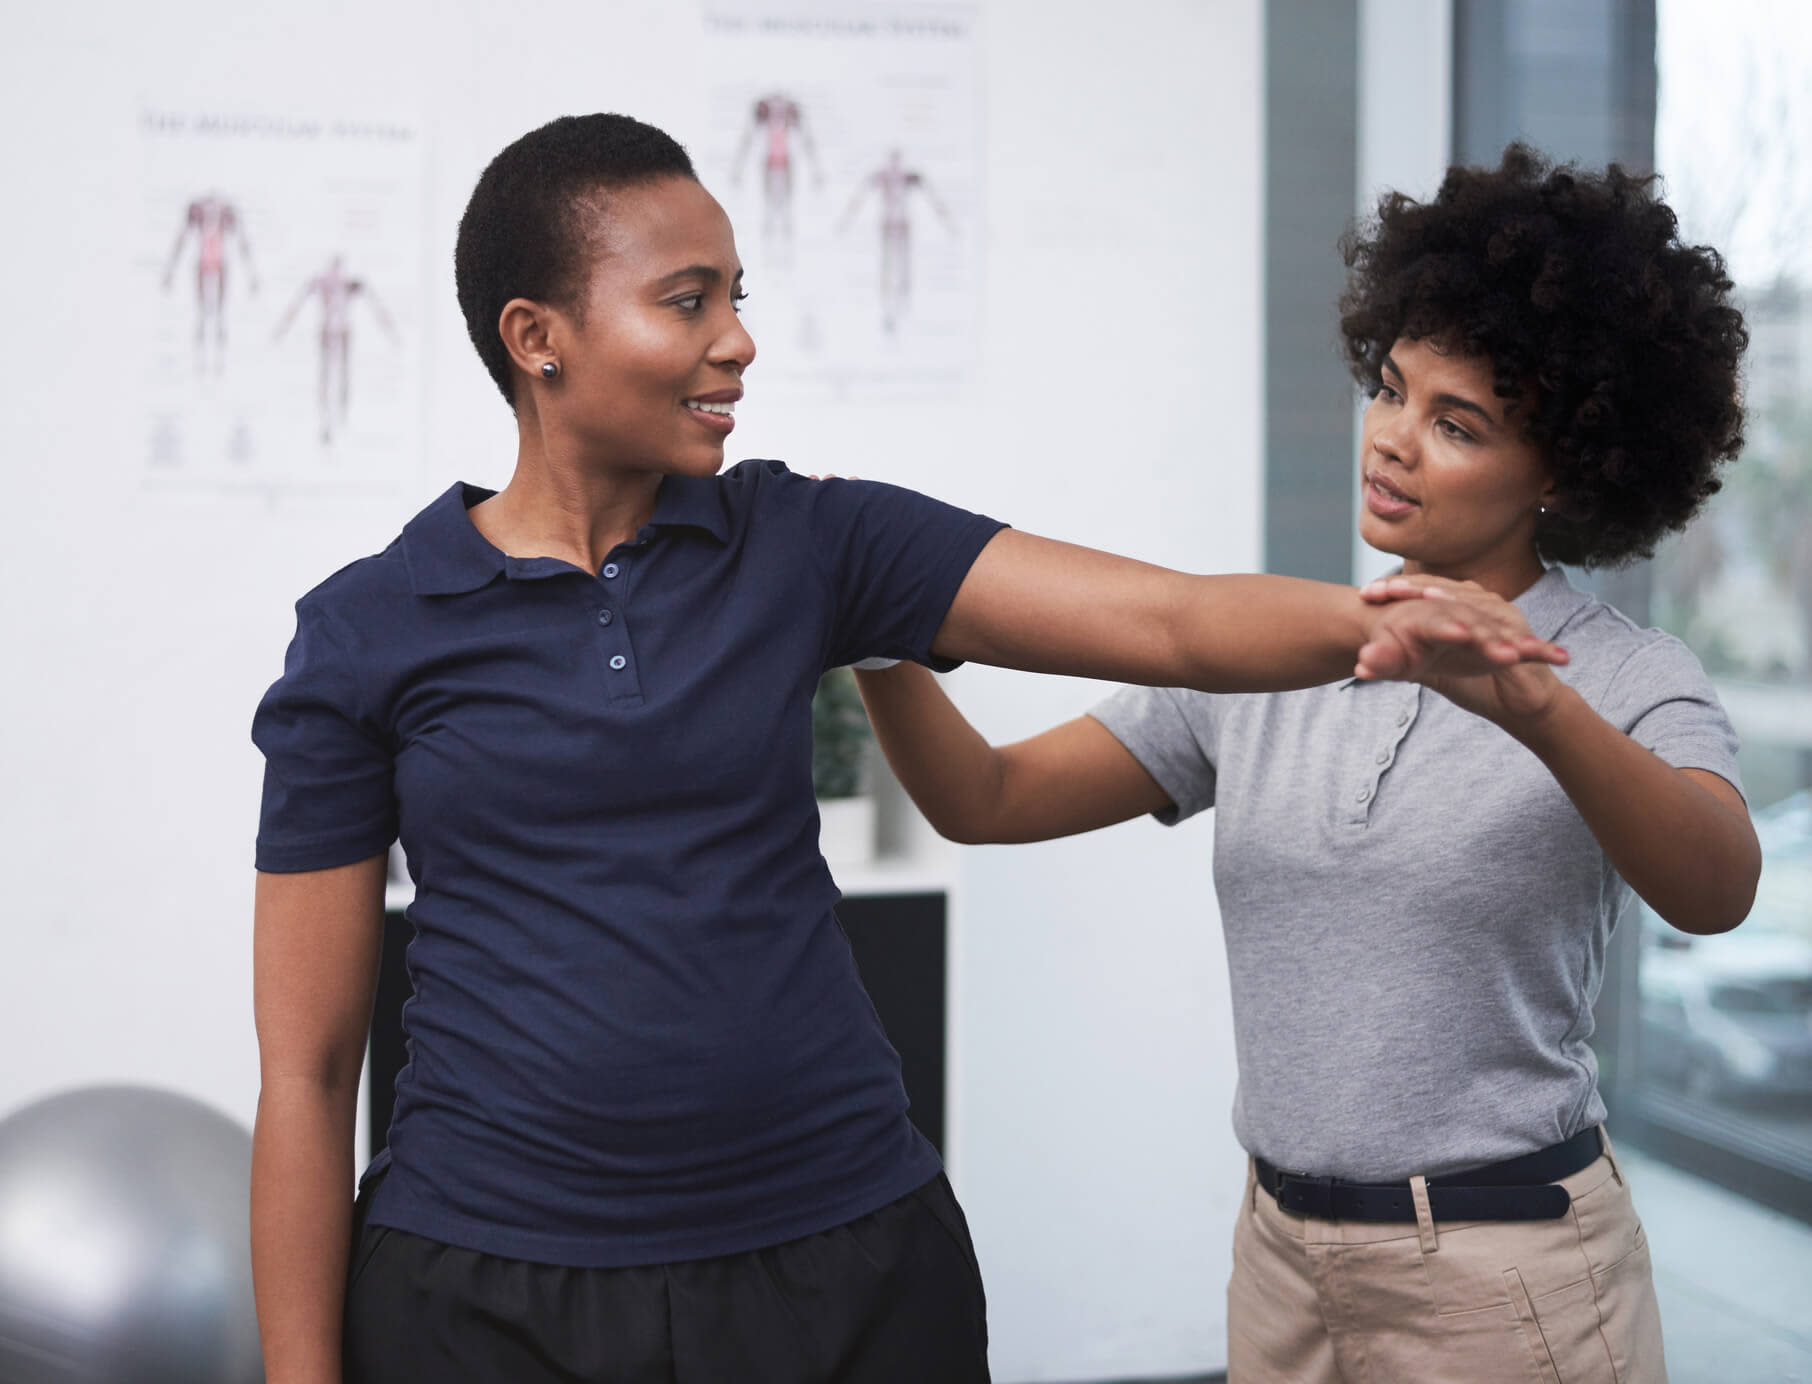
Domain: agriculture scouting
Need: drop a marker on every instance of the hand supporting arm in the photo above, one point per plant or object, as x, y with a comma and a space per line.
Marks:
1681, 838
1073, 778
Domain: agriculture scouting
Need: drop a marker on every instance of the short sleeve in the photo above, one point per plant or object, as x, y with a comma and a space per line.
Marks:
1663, 700
1173, 733
894, 560
329, 794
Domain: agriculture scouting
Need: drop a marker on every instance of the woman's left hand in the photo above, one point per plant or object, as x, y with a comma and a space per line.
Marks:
1516, 694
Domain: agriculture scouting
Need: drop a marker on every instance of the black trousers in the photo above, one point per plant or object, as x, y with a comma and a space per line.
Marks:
892, 1298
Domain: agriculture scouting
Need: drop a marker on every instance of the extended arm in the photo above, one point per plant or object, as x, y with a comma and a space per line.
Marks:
937, 204
855, 202
316, 940
377, 308
289, 313
245, 252
742, 146
1052, 607
811, 152
1073, 778
188, 220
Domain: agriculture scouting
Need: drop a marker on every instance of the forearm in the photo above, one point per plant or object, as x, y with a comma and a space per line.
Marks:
1266, 633
1072, 778
1050, 607
950, 771
1691, 857
302, 1174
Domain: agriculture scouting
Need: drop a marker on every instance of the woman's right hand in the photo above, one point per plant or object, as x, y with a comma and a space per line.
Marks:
1455, 635
1511, 694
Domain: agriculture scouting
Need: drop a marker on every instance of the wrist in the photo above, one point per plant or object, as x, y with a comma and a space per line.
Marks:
1548, 728
1367, 617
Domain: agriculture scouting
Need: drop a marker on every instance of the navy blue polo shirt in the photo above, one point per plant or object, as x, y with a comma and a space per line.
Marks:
637, 1034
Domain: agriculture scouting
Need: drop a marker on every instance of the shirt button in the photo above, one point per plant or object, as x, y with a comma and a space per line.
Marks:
1362, 795
610, 570
1383, 755
1403, 718
618, 662
605, 617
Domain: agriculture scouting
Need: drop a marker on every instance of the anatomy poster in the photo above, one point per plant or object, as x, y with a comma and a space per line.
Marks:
278, 264
845, 141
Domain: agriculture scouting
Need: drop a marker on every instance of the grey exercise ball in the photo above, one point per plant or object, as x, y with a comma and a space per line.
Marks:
124, 1242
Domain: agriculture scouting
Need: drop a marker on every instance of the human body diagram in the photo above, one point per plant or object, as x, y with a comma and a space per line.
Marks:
894, 183
214, 222
335, 290
778, 121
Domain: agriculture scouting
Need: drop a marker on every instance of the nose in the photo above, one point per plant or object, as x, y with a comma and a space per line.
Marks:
1393, 436
734, 346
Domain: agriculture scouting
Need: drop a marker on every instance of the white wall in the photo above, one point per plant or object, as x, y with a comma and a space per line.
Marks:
1115, 403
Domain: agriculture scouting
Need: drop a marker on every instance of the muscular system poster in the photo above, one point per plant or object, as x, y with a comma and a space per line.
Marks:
845, 141
277, 263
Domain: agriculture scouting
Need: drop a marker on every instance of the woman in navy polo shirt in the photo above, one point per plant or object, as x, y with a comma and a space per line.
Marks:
1417, 890
650, 1128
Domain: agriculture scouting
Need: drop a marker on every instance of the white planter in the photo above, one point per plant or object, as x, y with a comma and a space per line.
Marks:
846, 830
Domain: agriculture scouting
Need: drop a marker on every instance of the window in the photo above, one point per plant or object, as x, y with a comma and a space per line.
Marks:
1731, 1070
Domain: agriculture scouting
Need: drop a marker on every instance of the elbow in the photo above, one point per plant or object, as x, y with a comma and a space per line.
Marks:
1731, 872
963, 832
1709, 924
1720, 913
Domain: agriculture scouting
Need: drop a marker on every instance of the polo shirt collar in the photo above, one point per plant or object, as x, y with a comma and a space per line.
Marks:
448, 556
691, 502
446, 553
1551, 602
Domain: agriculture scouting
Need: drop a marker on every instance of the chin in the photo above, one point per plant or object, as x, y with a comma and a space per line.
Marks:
1383, 538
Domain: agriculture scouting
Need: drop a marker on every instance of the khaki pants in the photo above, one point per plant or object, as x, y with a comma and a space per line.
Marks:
1316, 1301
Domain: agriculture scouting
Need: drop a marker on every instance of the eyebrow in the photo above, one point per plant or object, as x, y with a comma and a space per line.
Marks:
1453, 401
709, 273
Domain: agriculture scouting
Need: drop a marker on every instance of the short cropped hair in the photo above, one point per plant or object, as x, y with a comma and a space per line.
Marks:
1575, 286
527, 230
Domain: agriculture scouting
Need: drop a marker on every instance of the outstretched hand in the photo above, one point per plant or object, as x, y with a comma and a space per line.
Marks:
1471, 646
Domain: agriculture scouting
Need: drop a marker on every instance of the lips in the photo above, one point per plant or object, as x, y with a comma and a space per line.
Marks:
1386, 500
1376, 480
715, 411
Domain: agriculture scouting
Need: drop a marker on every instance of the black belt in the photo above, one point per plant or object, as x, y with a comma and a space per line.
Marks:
1518, 1189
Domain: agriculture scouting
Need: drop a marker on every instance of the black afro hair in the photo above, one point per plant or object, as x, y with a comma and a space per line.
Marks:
1577, 289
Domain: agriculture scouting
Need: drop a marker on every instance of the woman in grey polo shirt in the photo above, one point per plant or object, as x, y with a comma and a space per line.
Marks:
1417, 882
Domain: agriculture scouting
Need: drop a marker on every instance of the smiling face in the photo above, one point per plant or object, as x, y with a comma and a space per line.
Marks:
1450, 482
651, 362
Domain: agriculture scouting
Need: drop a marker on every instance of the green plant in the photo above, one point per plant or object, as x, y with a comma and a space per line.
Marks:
840, 736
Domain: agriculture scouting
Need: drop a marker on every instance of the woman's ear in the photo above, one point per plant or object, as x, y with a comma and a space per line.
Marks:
1551, 496
528, 330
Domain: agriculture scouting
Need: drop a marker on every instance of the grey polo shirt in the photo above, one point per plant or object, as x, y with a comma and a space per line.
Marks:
1415, 914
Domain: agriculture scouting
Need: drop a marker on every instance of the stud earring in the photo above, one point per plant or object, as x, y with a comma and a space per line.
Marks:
549, 370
